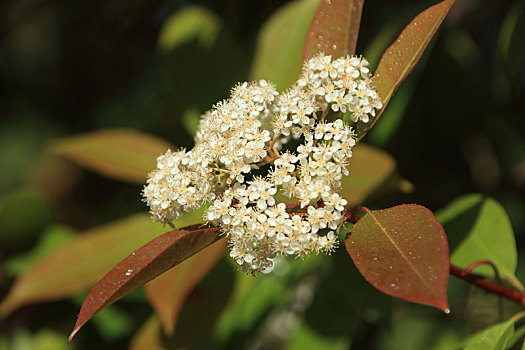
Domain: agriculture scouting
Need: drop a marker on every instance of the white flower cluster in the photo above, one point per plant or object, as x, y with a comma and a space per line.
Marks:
241, 166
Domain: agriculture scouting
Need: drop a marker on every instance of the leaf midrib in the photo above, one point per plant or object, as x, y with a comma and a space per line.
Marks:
421, 277
425, 42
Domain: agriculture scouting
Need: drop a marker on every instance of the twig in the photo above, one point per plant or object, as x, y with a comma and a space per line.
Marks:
481, 282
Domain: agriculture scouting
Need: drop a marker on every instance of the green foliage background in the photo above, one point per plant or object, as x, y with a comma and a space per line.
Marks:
454, 127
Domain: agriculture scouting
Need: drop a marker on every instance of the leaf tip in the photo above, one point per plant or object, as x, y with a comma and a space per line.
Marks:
73, 333
443, 305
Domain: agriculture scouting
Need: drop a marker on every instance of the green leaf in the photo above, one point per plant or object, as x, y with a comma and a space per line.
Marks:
401, 57
122, 154
493, 338
516, 336
334, 29
483, 229
188, 24
403, 252
279, 53
79, 264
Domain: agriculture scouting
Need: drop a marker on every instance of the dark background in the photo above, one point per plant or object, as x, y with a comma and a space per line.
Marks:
68, 67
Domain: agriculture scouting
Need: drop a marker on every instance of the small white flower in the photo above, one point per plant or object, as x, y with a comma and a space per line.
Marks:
246, 135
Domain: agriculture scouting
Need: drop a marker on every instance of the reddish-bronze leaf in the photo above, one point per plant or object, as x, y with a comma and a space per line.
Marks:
167, 292
146, 263
122, 154
79, 264
403, 252
334, 28
401, 57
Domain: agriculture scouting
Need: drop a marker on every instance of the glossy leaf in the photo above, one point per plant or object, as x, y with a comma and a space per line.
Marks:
146, 263
483, 231
403, 252
334, 29
168, 292
279, 53
122, 154
401, 57
79, 264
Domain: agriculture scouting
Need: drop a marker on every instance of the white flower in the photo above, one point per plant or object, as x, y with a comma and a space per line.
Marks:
258, 145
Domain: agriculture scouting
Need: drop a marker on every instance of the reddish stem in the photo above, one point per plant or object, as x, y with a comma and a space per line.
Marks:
351, 216
484, 262
466, 276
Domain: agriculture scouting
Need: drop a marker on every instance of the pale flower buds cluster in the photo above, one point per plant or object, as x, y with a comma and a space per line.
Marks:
260, 147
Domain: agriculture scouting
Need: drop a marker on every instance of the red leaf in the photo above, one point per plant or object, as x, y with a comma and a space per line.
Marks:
403, 252
157, 256
401, 57
334, 28
168, 292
